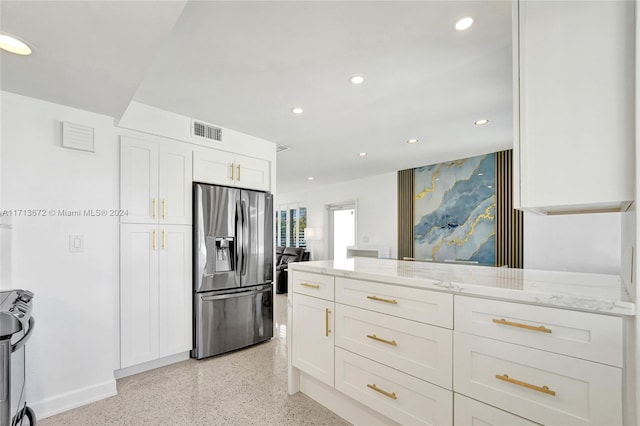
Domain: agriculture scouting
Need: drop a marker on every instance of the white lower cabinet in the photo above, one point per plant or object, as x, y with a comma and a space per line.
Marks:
418, 349
155, 292
429, 307
312, 337
541, 386
469, 412
399, 396
401, 353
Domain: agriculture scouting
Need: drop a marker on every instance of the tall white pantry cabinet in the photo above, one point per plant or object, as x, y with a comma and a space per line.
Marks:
155, 250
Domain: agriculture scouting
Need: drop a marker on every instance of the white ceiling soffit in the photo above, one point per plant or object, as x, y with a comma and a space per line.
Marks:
244, 65
90, 55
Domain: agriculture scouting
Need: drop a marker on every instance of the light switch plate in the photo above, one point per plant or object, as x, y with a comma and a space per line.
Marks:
76, 243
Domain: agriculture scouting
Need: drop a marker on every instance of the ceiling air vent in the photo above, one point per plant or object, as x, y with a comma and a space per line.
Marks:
206, 131
281, 148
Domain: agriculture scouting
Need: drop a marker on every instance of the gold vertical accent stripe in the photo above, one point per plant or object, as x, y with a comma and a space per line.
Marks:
405, 212
509, 223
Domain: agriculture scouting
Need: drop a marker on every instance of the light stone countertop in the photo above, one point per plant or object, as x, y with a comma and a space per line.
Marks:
570, 290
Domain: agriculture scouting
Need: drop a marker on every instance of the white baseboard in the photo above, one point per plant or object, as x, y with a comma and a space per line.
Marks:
70, 400
349, 409
150, 365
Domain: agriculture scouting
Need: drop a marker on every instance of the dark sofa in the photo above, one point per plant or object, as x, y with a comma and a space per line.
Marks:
285, 255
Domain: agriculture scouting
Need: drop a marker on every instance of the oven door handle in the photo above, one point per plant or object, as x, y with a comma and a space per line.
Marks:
20, 343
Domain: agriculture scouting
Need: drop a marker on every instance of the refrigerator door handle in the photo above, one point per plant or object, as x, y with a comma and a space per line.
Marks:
239, 253
245, 241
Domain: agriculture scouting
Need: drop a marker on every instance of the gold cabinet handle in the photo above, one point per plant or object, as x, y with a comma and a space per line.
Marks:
164, 239
543, 389
232, 171
309, 285
154, 243
155, 208
380, 299
388, 342
541, 328
238, 172
164, 208
391, 395
327, 330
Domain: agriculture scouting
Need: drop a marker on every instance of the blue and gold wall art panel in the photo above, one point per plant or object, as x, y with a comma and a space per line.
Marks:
455, 210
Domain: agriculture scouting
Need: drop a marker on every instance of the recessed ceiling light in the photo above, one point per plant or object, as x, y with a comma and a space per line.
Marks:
297, 110
481, 122
357, 79
464, 23
412, 141
311, 178
362, 154
13, 45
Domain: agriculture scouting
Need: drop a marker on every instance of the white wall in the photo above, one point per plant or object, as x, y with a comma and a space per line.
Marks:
71, 355
376, 200
75, 347
576, 243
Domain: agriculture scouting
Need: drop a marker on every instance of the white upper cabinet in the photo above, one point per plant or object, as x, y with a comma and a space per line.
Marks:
225, 168
574, 105
155, 182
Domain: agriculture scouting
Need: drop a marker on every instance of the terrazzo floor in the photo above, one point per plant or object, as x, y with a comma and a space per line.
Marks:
247, 387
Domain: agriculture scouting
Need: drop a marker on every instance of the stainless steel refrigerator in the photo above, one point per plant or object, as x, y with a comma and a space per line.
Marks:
233, 269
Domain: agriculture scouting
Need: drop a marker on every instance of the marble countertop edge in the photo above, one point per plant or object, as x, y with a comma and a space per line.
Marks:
609, 298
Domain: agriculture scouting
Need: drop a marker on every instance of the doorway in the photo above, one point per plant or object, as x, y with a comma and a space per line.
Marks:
342, 229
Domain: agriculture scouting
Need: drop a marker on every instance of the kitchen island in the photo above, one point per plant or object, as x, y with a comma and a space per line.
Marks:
381, 341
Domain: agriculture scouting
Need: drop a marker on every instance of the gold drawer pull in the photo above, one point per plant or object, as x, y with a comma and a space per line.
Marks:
155, 240
380, 299
391, 395
310, 285
543, 389
327, 330
388, 342
541, 328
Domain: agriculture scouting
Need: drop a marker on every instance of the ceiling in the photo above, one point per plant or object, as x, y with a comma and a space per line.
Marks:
245, 65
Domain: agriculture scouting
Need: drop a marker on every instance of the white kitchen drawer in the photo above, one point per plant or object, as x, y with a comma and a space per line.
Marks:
316, 285
430, 307
403, 398
422, 350
469, 412
586, 393
583, 335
